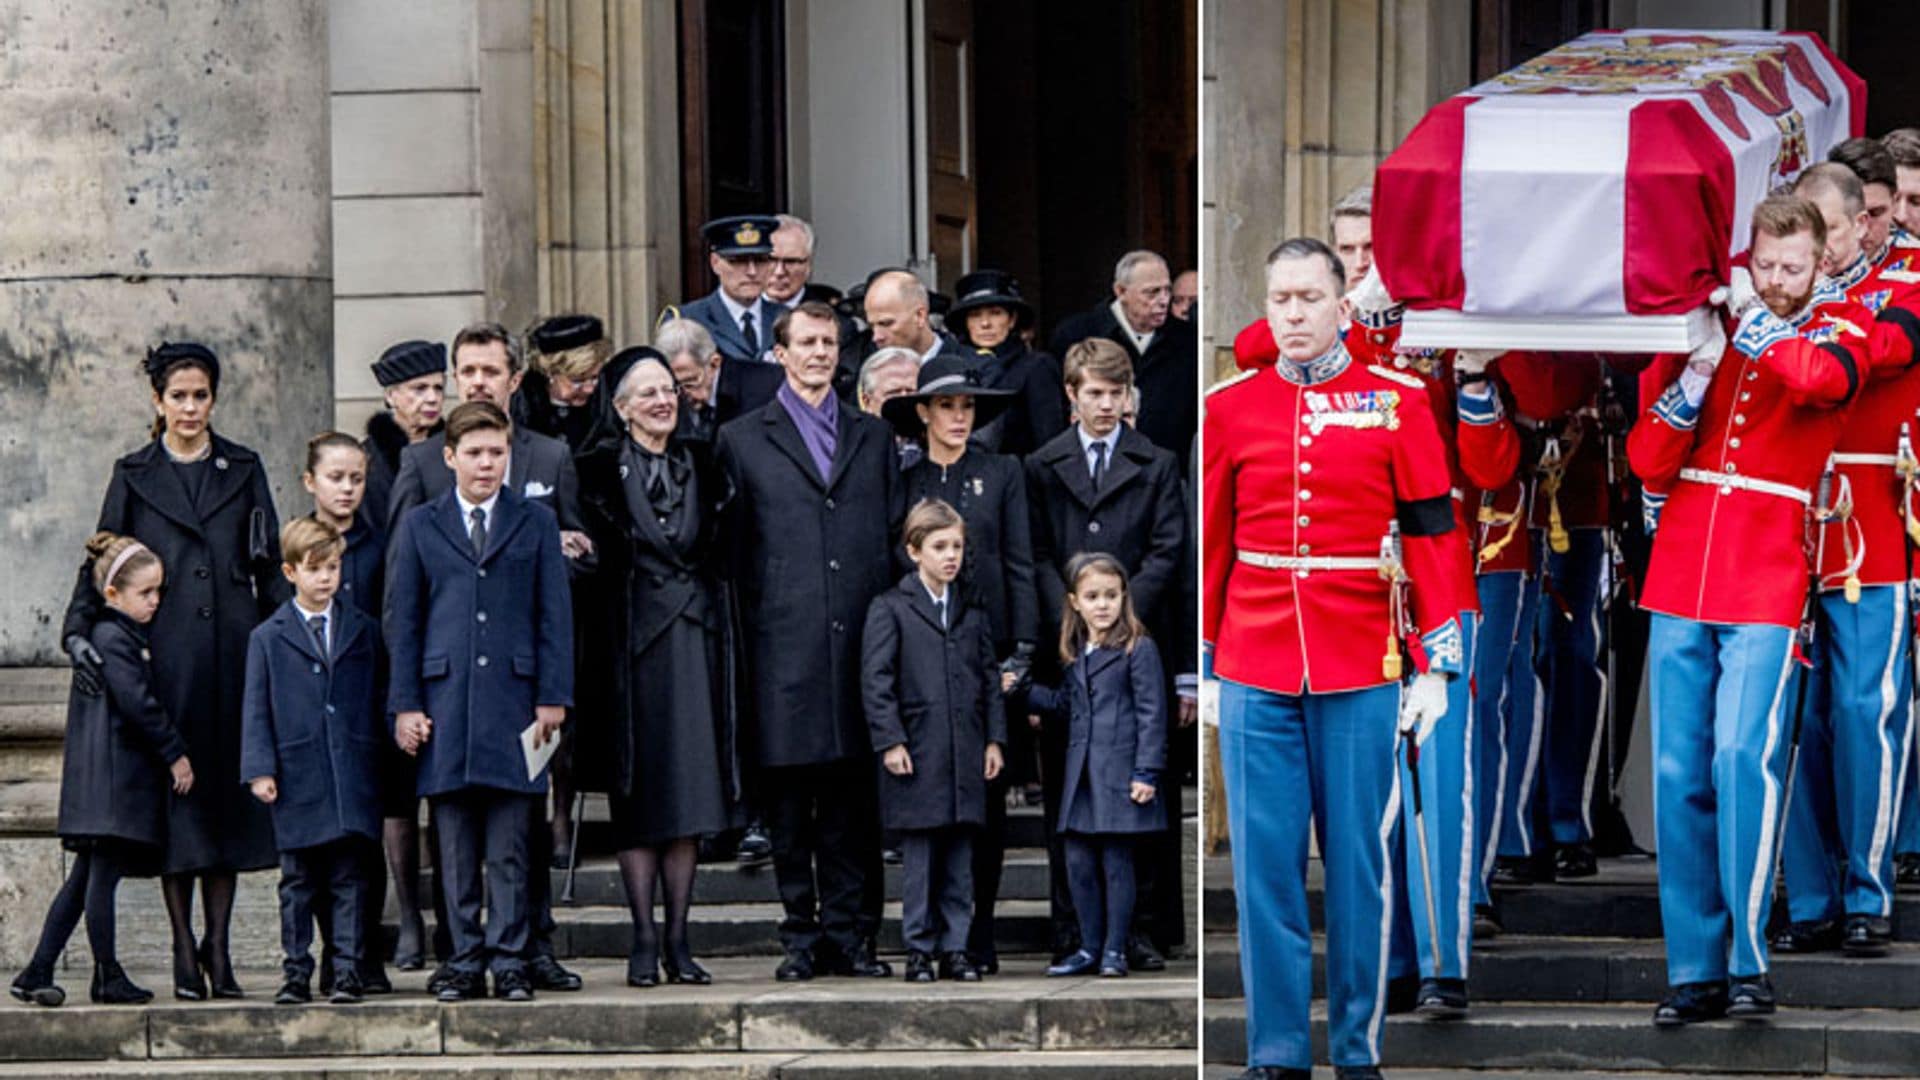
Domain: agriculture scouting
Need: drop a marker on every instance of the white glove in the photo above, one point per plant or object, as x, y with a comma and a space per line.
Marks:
1475, 361
1737, 294
1423, 705
1705, 356
1210, 702
1370, 297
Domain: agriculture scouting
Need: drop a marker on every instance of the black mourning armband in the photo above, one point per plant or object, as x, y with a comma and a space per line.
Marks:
1425, 517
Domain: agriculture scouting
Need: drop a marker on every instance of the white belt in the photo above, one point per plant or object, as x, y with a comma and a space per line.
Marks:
1728, 481
1266, 561
1888, 460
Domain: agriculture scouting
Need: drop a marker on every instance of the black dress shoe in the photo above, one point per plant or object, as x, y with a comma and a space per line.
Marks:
545, 973
1812, 936
797, 967
112, 987
1357, 1072
919, 967
1515, 870
1575, 861
1275, 1072
685, 970
958, 967
860, 963
438, 979
892, 856
294, 991
987, 963
347, 990
1906, 869
460, 986
1113, 965
754, 848
1079, 962
219, 969
1403, 994
1750, 997
512, 985
190, 983
1441, 999
1486, 922
1144, 956
643, 970
32, 987
1867, 935
1691, 1003
373, 980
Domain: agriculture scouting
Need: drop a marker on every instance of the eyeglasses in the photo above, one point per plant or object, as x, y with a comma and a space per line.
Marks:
791, 264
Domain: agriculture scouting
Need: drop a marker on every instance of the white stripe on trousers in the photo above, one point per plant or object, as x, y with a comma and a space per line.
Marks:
1387, 822
1463, 926
1763, 867
1887, 798
1600, 708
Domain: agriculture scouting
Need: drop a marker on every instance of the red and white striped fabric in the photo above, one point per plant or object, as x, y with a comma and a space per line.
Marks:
1614, 175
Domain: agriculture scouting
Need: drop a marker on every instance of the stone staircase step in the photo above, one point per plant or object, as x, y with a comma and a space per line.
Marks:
743, 1011
1324, 1072
1612, 1038
1026, 828
29, 807
597, 881
35, 721
35, 685
1540, 969
1020, 926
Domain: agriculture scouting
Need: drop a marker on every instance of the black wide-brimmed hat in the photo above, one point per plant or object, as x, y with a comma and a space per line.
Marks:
410, 360
989, 288
945, 376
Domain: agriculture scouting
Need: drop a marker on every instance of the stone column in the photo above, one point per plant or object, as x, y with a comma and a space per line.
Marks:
165, 168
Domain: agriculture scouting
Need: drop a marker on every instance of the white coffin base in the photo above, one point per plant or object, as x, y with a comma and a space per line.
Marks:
1600, 333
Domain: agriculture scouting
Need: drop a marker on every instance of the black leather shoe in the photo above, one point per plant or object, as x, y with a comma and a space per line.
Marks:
1691, 1003
1357, 1072
461, 986
1906, 869
892, 856
643, 970
294, 991
859, 962
545, 973
112, 987
219, 969
189, 983
512, 985
1823, 935
958, 967
1867, 935
919, 967
438, 980
1751, 997
347, 990
373, 979
1275, 1072
685, 970
36, 988
1486, 922
754, 848
1575, 861
987, 963
1515, 870
797, 967
1142, 955
1079, 962
1113, 965
1403, 994
1441, 999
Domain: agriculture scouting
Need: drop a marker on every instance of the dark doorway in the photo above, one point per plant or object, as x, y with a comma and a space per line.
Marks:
733, 121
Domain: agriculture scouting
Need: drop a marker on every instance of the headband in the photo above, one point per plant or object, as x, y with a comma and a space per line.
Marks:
120, 560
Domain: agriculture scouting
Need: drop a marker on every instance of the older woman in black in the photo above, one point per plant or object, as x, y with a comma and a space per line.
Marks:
990, 492
651, 502
201, 503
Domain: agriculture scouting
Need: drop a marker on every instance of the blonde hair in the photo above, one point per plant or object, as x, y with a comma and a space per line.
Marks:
116, 558
1074, 631
581, 362
307, 539
1100, 358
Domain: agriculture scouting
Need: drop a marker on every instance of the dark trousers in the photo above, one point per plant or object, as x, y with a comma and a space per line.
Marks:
373, 908
539, 881
89, 890
482, 826
936, 888
325, 881
989, 858
823, 821
1100, 873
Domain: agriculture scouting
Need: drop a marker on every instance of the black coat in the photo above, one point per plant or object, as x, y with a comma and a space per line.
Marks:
540, 469
990, 493
1167, 374
1139, 517
363, 569
316, 724
1116, 709
222, 559
1038, 412
936, 689
807, 557
742, 387
534, 408
113, 779
383, 445
656, 717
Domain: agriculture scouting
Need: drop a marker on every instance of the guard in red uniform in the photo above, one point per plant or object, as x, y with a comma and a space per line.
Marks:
1737, 443
1331, 546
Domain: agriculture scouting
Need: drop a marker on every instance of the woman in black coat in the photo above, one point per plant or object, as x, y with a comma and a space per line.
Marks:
657, 659
201, 503
990, 318
989, 491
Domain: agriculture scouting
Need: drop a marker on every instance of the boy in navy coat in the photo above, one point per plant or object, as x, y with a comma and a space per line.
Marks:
480, 630
310, 729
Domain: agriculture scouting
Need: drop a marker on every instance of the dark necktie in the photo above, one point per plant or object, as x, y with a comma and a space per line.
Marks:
940, 605
478, 533
318, 624
746, 331
1099, 465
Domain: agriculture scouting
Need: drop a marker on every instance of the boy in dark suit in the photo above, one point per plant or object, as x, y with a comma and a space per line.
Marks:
310, 725
480, 629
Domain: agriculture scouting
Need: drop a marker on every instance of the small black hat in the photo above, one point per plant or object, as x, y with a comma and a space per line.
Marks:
746, 234
989, 288
410, 360
168, 353
825, 294
945, 376
563, 332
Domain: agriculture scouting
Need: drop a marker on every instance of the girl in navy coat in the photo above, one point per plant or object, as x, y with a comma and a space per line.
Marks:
121, 748
1116, 747
311, 728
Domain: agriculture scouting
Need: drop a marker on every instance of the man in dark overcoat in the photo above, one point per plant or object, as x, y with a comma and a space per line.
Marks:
810, 531
1165, 353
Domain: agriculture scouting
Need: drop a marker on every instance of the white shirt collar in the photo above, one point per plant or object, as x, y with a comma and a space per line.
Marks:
1140, 340
937, 597
736, 309
1112, 441
933, 350
467, 508
325, 612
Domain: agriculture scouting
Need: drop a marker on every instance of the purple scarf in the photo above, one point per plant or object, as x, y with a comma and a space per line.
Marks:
819, 426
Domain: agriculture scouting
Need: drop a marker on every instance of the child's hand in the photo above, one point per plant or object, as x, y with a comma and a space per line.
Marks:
897, 760
549, 717
182, 770
1008, 680
411, 730
995, 760
265, 789
1033, 721
1140, 793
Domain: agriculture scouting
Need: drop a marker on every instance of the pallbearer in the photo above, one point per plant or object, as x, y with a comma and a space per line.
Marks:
1330, 542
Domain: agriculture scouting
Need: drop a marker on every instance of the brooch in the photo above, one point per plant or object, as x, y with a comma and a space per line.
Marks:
220, 463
